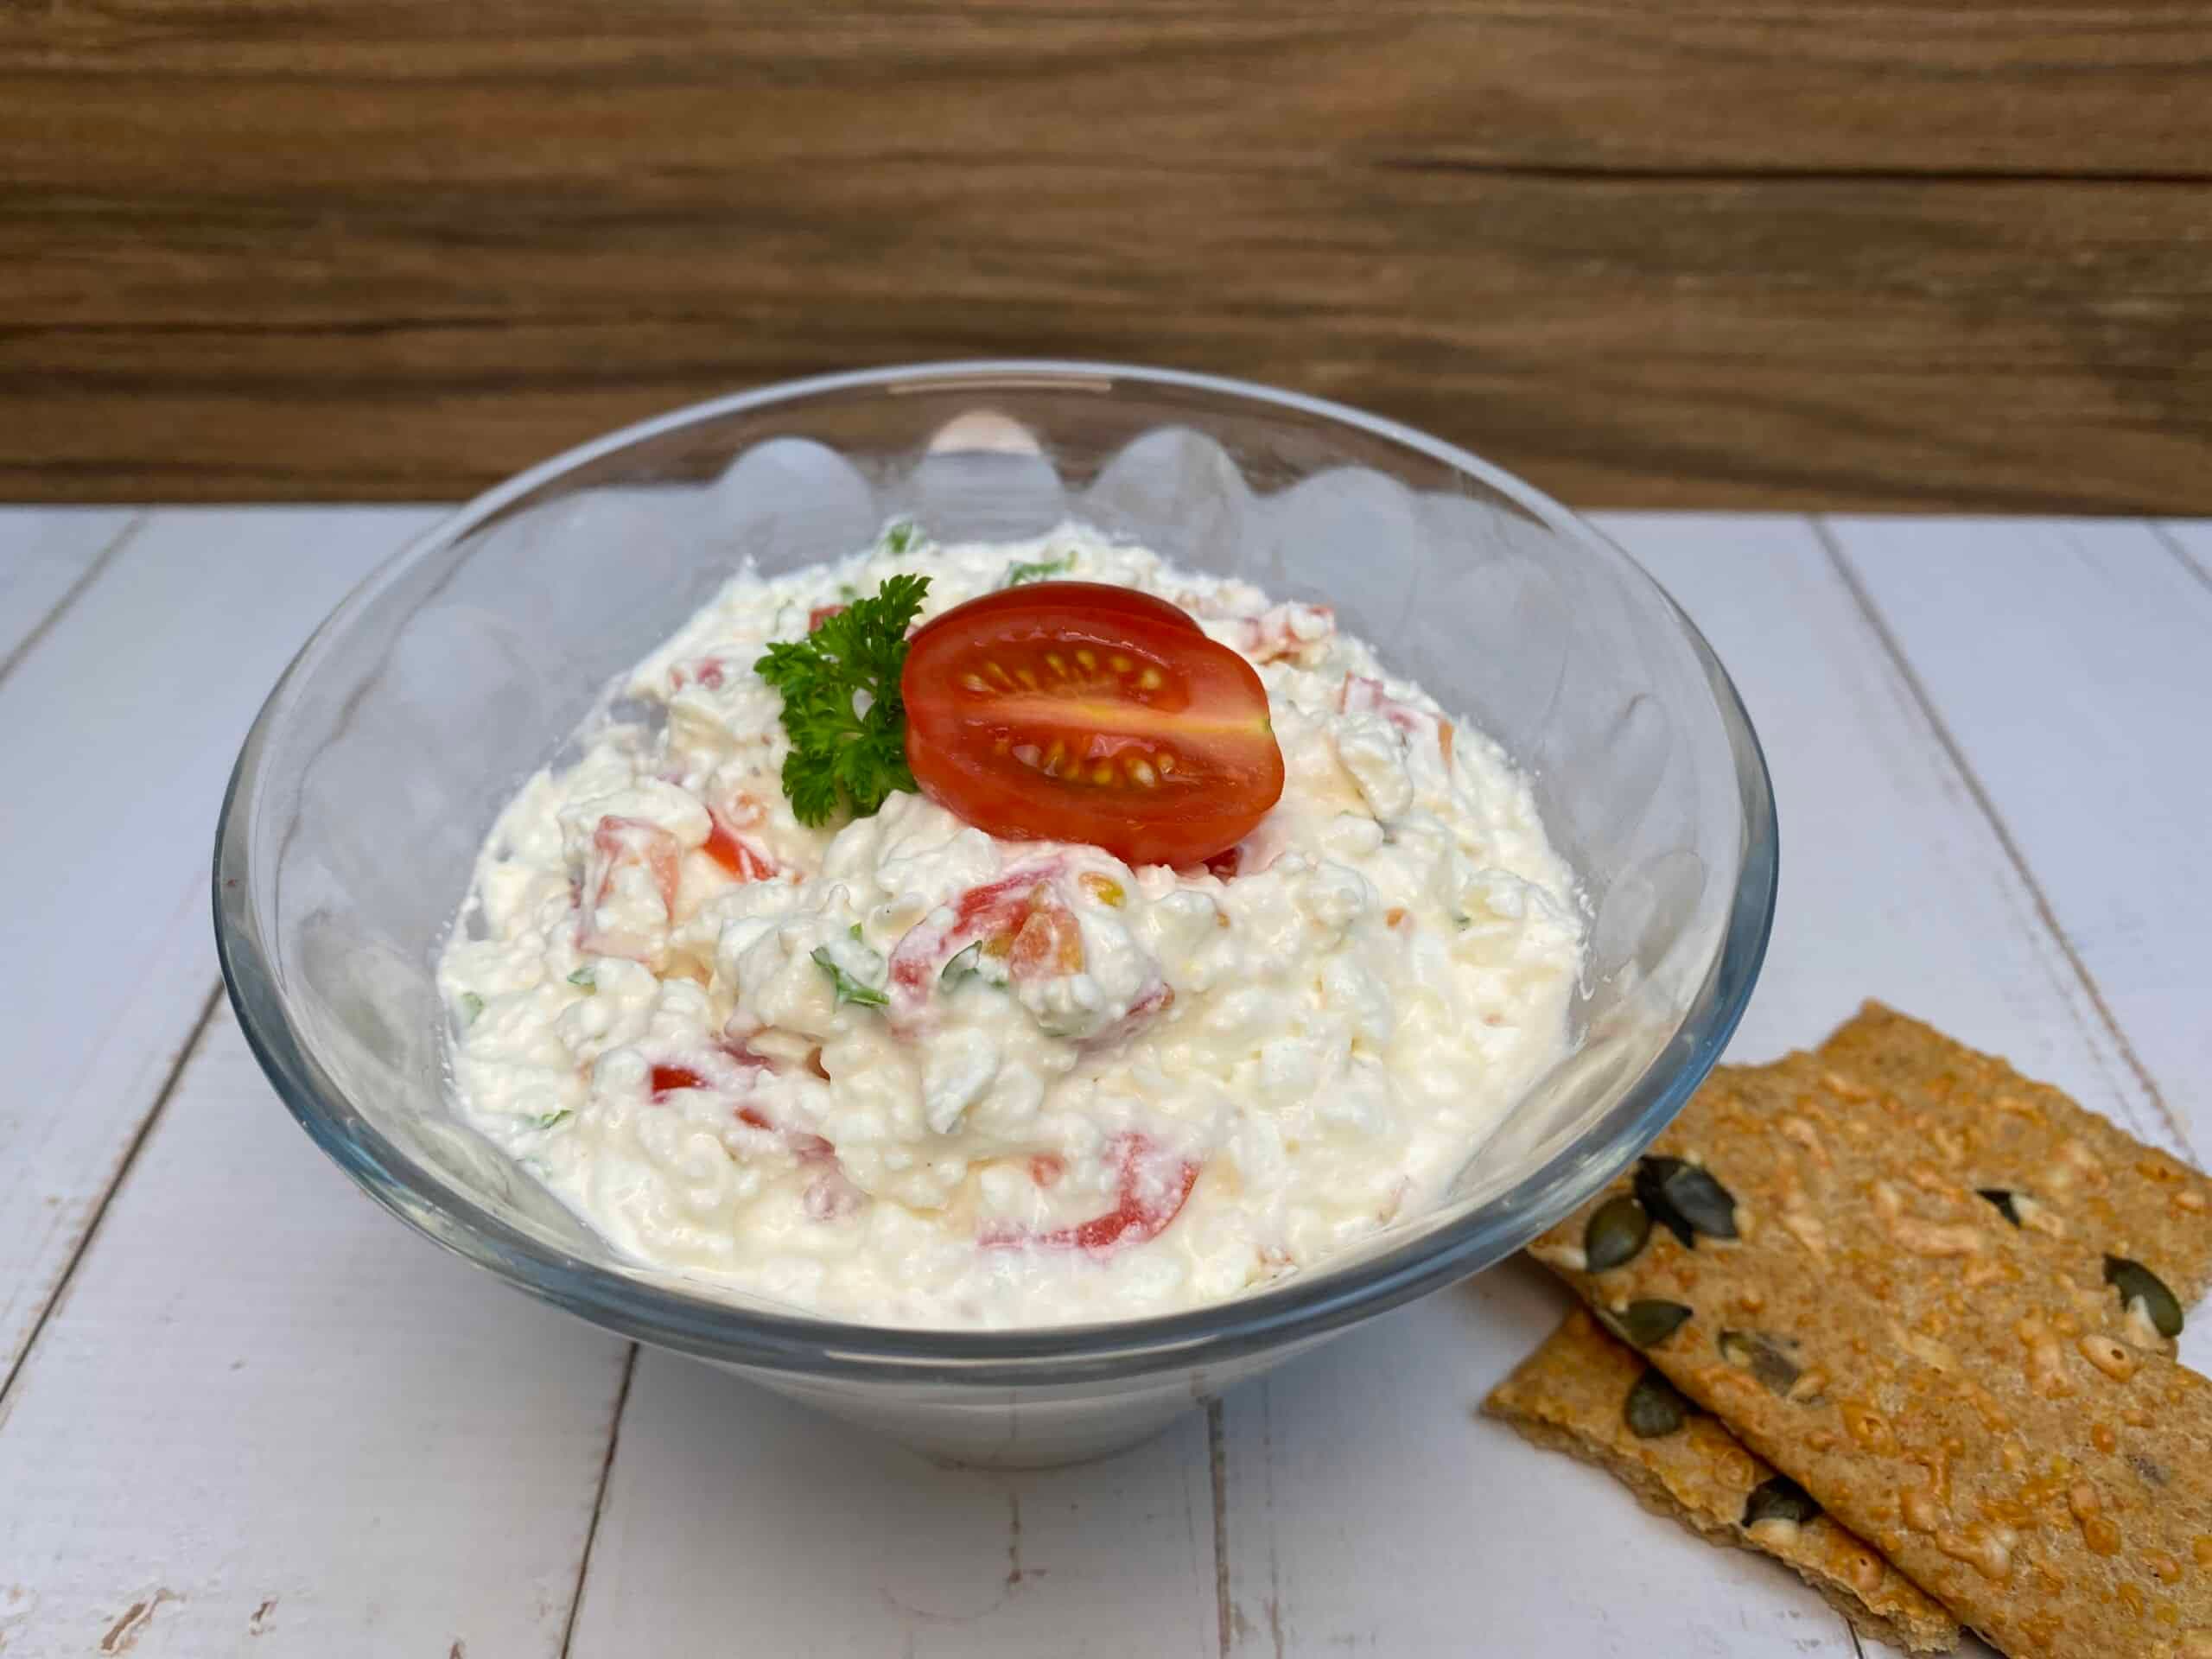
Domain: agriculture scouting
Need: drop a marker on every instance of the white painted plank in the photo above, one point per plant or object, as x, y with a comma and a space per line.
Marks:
1372, 1511
263, 1410
2072, 664
45, 552
122, 723
735, 1521
1894, 885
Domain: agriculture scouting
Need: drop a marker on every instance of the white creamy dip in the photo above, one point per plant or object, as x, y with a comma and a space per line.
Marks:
1214, 1077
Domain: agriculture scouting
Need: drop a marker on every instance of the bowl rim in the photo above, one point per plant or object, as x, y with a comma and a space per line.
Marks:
1213, 1333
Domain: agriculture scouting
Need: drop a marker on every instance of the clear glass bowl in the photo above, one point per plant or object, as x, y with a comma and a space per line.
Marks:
382, 756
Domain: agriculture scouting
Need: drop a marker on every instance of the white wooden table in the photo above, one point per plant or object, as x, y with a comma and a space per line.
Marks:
242, 1412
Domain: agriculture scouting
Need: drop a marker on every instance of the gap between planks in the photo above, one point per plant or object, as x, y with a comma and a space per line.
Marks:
2179, 549
1940, 729
178, 1067
1218, 1472
599, 1499
92, 573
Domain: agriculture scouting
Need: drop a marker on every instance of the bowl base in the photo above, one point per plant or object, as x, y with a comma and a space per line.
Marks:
997, 1428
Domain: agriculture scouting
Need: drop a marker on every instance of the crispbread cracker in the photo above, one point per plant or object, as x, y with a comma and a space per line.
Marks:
1967, 1395
2086, 1184
1569, 1395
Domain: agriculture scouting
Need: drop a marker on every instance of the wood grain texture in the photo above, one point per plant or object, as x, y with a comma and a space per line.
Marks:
1850, 255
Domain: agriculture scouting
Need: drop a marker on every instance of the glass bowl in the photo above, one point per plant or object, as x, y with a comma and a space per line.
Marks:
383, 753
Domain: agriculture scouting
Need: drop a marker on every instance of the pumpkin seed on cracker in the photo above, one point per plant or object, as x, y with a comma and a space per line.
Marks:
1779, 1498
1766, 1357
1655, 1406
2137, 1283
1646, 1322
1617, 1231
2002, 1198
1686, 1199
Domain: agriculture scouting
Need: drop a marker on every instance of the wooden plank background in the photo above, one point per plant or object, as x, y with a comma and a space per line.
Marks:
1890, 253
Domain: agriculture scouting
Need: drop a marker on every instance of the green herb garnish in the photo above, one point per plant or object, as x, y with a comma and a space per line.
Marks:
848, 988
899, 535
551, 1118
1018, 573
471, 1006
844, 755
583, 980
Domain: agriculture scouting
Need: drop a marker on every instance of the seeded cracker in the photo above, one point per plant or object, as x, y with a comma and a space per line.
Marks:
2086, 1186
1584, 1394
1976, 1395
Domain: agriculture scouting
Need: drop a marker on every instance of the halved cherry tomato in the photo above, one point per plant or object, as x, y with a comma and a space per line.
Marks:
1076, 711
1097, 597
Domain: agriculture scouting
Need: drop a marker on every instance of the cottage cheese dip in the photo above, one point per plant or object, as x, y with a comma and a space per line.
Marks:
772, 1058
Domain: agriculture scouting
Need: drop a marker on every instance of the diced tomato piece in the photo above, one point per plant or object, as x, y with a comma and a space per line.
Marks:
1047, 1168
803, 1145
1022, 917
806, 1146
708, 672
1153, 1189
1049, 944
724, 1067
1362, 696
616, 845
1283, 630
1156, 998
738, 854
822, 614
745, 1054
831, 1197
666, 1078
980, 908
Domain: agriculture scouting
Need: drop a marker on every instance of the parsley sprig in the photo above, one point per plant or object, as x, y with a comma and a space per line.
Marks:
844, 754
